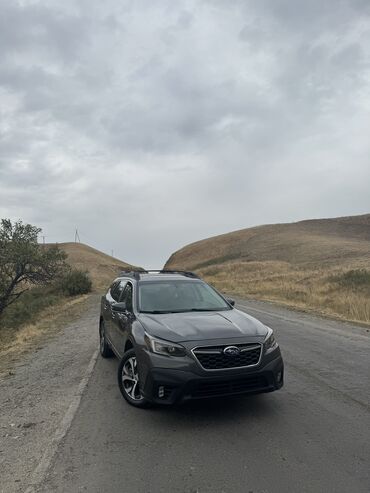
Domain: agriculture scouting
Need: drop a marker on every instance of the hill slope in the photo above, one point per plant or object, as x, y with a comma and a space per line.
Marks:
321, 241
41, 308
303, 264
101, 267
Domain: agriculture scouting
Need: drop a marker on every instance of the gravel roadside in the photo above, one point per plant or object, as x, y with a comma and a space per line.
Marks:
36, 393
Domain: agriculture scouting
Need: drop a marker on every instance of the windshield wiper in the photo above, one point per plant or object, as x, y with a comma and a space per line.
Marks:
200, 310
205, 309
184, 311
156, 311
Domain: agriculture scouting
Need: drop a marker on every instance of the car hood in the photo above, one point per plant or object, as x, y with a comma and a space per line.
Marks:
197, 326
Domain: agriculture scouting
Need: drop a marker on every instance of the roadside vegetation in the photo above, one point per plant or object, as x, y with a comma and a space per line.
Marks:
33, 278
75, 282
41, 284
36, 300
319, 265
102, 268
24, 263
333, 294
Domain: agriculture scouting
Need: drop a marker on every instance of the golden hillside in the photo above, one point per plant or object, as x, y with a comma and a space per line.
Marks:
101, 267
321, 241
43, 308
300, 264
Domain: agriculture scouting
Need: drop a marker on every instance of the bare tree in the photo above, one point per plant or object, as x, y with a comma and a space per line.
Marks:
23, 262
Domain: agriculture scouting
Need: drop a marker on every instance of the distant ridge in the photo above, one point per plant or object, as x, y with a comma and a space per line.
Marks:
101, 267
310, 242
321, 265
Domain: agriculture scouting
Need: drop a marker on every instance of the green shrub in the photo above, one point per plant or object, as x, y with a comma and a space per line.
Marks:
27, 308
75, 282
353, 279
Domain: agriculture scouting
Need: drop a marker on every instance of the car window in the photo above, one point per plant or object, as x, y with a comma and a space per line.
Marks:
112, 287
126, 296
172, 296
117, 290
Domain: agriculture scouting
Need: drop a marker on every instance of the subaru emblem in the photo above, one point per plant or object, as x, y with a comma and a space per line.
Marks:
231, 351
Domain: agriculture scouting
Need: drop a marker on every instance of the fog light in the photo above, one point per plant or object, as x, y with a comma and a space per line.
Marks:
279, 376
161, 391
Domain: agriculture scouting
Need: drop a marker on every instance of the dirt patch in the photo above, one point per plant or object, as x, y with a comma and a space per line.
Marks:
29, 337
38, 381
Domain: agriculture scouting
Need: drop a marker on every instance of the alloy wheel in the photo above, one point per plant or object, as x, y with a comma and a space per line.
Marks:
130, 379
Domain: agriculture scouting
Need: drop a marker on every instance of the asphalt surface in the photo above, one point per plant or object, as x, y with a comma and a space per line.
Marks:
311, 436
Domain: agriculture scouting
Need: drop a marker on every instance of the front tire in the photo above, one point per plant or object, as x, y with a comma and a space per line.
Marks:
128, 380
104, 347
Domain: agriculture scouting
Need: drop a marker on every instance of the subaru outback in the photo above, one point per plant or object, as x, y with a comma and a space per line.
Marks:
177, 338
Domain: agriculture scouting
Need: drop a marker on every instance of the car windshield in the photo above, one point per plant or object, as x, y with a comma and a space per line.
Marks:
179, 296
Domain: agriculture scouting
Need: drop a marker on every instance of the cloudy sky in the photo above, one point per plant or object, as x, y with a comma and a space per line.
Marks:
149, 124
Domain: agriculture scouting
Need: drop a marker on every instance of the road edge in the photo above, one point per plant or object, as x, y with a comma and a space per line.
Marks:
41, 469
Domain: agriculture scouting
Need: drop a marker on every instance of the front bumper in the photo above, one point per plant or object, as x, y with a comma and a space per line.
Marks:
170, 386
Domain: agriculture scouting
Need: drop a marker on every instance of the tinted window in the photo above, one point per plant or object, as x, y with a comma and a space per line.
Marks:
127, 296
179, 296
117, 290
112, 287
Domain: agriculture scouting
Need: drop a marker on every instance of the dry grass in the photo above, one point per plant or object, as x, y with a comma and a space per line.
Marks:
317, 242
49, 321
101, 267
306, 289
294, 264
42, 306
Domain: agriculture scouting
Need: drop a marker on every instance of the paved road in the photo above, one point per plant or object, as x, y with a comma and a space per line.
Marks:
312, 436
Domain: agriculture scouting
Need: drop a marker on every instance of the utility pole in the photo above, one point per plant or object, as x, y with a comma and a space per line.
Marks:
43, 240
112, 254
77, 237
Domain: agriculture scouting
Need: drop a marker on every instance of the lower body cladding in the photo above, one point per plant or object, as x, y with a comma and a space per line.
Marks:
170, 386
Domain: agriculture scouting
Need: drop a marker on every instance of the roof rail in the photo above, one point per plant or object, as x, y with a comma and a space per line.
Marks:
186, 273
131, 273
136, 273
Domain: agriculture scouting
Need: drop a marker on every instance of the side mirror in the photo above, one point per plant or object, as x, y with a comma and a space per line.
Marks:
230, 301
119, 307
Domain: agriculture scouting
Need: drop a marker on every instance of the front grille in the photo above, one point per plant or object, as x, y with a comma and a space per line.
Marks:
248, 384
213, 357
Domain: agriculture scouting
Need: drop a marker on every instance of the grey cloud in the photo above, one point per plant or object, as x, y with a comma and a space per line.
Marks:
52, 32
181, 120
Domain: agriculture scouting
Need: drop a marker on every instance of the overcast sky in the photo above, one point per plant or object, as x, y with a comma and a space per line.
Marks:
151, 124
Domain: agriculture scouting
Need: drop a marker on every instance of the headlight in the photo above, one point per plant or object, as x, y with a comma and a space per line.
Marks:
163, 347
270, 341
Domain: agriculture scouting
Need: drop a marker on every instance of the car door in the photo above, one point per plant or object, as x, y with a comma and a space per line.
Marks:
121, 324
106, 301
112, 297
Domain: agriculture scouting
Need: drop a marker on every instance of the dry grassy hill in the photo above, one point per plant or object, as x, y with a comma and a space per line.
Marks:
318, 264
101, 267
41, 309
